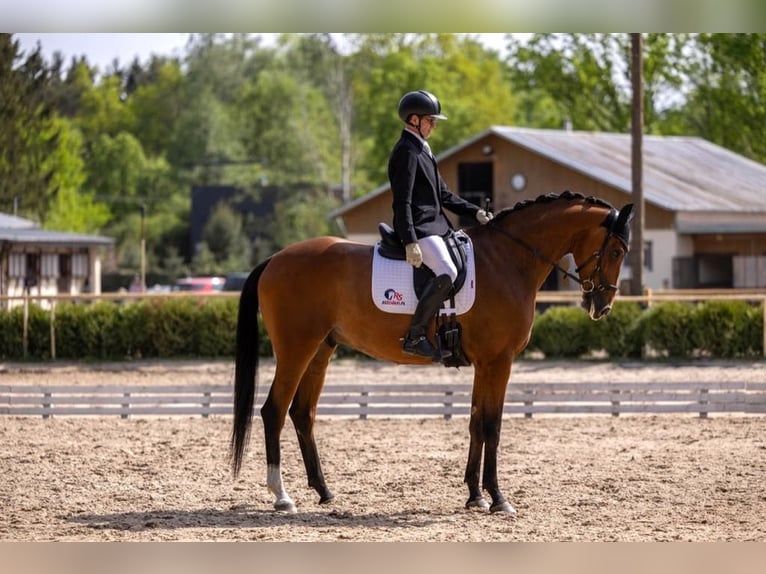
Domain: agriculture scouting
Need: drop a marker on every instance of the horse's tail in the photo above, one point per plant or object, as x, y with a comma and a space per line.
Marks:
246, 366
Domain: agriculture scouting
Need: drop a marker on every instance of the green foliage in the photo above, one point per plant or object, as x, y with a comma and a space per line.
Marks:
726, 328
668, 329
12, 333
562, 332
302, 218
71, 208
182, 327
27, 132
226, 247
217, 336
619, 332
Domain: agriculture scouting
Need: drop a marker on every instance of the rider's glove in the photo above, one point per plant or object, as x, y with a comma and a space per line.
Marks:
483, 216
414, 255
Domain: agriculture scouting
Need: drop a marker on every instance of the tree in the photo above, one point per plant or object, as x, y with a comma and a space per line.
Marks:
225, 247
156, 104
469, 81
727, 102
27, 131
573, 79
71, 208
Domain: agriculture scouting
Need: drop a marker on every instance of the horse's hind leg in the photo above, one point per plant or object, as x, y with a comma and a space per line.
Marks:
290, 368
303, 415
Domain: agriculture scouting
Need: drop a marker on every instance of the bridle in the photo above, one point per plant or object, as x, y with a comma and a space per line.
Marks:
588, 286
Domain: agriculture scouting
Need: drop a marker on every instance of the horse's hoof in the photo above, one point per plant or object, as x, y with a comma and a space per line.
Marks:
478, 503
285, 505
327, 498
503, 507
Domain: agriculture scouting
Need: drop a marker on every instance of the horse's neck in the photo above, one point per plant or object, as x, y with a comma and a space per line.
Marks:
548, 235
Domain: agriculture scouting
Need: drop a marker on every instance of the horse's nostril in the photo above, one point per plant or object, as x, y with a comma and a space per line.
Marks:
604, 312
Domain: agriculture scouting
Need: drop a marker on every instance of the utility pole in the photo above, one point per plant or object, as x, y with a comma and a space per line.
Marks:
143, 248
636, 255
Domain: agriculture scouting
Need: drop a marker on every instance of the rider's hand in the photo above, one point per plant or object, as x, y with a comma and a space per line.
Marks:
483, 216
414, 255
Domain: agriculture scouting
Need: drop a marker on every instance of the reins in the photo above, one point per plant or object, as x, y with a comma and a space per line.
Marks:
587, 285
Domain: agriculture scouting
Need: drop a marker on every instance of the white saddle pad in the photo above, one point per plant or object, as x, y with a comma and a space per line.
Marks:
393, 290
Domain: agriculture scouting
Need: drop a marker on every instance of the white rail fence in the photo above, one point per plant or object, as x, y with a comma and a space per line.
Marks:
386, 400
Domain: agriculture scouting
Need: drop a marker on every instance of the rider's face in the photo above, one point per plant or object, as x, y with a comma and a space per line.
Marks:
427, 124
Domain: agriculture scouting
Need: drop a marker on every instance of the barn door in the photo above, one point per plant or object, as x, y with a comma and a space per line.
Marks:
475, 184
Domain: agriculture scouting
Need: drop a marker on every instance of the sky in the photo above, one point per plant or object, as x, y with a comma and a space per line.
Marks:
102, 48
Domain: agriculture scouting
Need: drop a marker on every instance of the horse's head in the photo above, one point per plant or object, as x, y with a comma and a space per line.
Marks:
599, 257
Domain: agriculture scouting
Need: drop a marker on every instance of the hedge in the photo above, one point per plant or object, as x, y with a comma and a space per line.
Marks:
188, 327
715, 329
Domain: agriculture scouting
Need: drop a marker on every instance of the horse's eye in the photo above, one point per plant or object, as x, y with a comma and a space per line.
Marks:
616, 253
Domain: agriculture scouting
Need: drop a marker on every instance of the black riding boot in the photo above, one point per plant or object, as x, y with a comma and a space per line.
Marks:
416, 342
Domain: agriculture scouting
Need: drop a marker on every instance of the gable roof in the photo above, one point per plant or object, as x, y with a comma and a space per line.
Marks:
680, 173
19, 230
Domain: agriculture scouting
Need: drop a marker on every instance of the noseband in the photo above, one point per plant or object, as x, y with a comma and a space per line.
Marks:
588, 285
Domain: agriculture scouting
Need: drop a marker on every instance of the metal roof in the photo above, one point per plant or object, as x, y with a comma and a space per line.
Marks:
19, 230
8, 221
680, 174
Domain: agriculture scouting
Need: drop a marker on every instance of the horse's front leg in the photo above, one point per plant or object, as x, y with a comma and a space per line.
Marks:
490, 383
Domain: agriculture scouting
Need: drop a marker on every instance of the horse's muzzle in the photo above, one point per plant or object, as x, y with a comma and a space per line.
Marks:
597, 304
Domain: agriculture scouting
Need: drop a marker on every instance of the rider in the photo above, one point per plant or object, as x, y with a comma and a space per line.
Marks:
420, 197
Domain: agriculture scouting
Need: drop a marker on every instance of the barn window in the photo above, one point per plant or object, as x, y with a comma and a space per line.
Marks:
79, 265
17, 265
49, 265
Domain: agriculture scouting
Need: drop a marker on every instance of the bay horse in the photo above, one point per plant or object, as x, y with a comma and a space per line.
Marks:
316, 294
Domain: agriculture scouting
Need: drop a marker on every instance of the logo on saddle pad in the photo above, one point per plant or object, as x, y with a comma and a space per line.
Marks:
393, 290
393, 297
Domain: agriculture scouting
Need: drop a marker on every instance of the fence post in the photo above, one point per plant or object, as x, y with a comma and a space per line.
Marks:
703, 403
125, 405
615, 404
363, 407
53, 329
46, 405
528, 414
448, 405
205, 404
25, 325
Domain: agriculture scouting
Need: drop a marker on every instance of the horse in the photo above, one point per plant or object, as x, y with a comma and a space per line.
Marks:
316, 294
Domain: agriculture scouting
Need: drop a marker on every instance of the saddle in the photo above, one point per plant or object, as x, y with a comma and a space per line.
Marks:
391, 247
448, 329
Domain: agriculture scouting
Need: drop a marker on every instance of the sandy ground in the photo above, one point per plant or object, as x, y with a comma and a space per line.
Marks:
587, 478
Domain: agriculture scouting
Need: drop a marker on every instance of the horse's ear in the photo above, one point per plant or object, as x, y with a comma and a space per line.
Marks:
625, 216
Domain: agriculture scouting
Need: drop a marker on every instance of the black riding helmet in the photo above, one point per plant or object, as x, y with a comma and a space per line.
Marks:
420, 103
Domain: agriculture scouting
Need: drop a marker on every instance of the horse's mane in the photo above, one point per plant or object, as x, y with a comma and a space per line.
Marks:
547, 198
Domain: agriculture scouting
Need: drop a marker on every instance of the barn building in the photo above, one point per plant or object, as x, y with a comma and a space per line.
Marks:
41, 262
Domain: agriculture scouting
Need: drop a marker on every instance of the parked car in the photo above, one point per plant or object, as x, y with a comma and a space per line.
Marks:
200, 284
235, 281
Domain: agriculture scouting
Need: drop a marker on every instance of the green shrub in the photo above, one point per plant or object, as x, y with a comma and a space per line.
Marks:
619, 333
668, 328
133, 333
562, 332
217, 328
725, 328
11, 340
173, 325
188, 327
